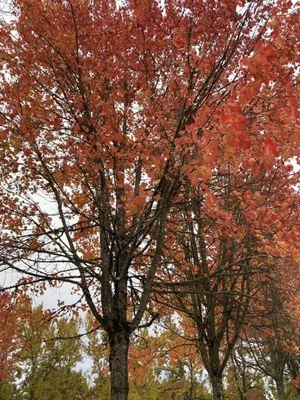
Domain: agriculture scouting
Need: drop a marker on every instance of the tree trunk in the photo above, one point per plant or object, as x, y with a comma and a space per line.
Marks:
217, 387
118, 363
280, 389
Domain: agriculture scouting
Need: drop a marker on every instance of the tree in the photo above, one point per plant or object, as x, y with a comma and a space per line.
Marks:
48, 359
14, 308
271, 340
107, 110
216, 282
226, 255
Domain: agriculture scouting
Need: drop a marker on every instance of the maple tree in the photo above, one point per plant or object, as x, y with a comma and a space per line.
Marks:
215, 293
7, 333
110, 111
226, 255
271, 339
13, 309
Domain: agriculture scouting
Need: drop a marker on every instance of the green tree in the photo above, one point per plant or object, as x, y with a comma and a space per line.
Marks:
49, 360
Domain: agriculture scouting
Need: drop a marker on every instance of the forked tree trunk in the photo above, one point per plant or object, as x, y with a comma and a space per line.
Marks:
118, 363
217, 387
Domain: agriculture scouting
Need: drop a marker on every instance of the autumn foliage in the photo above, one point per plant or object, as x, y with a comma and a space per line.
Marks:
146, 144
13, 310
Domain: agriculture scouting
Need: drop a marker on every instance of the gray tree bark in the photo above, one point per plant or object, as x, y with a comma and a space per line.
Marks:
118, 363
217, 387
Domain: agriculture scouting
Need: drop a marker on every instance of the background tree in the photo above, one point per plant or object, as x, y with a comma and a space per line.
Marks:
49, 360
272, 338
227, 257
14, 309
96, 348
